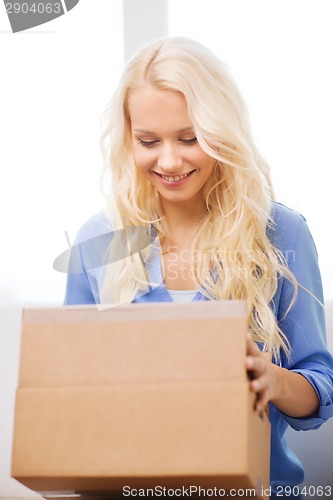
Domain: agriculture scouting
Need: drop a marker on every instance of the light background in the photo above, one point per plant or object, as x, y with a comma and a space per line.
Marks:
55, 82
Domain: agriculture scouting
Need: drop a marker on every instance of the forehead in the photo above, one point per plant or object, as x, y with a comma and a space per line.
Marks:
150, 108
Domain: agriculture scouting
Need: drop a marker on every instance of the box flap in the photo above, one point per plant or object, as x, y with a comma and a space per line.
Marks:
80, 346
204, 309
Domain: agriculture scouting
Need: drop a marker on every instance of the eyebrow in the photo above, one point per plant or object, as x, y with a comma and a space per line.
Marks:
150, 132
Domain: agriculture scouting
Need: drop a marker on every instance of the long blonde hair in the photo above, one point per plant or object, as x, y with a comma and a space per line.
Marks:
232, 238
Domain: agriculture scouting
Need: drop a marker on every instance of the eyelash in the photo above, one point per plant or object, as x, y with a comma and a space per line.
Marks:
150, 144
147, 144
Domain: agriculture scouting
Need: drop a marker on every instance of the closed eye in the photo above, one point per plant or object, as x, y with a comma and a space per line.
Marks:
189, 141
150, 144
147, 144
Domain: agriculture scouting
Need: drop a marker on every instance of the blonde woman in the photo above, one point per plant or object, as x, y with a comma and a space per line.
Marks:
191, 216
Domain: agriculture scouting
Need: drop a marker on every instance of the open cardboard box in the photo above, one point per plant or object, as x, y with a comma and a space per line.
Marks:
143, 395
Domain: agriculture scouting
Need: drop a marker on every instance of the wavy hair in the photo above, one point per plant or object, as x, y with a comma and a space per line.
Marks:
234, 258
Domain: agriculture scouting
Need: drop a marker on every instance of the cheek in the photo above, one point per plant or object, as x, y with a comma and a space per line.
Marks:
207, 161
143, 159
197, 155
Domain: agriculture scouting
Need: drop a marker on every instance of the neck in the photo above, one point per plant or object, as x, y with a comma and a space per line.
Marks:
183, 213
183, 218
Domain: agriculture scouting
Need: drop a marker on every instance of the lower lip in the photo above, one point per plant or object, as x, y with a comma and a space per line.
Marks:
181, 182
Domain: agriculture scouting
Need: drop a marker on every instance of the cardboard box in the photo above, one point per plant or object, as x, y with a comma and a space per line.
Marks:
142, 395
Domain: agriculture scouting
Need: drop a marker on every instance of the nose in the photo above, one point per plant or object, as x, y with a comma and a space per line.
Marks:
169, 158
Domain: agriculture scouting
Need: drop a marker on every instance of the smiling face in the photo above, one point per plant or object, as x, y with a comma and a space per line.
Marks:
165, 148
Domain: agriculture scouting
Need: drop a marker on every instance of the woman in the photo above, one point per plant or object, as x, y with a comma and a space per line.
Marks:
195, 201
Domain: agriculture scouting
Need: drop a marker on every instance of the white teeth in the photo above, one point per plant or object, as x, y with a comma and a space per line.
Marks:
174, 179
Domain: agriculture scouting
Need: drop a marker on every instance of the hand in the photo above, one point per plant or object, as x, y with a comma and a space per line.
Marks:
290, 392
264, 380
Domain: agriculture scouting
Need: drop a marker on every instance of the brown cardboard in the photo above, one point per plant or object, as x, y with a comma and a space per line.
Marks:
142, 395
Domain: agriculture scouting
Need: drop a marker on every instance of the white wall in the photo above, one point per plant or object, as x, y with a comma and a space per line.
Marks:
56, 80
144, 21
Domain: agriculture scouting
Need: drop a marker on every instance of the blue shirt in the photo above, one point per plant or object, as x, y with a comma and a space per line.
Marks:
304, 324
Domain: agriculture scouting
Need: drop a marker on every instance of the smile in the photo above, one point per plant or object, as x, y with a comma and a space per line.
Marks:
177, 178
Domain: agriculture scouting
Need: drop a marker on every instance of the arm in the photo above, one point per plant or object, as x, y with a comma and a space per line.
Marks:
302, 387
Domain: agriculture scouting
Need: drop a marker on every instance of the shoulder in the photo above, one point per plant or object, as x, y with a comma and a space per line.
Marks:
96, 225
282, 215
89, 251
285, 225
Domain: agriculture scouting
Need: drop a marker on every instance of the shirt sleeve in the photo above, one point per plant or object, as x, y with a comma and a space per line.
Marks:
304, 325
87, 258
78, 288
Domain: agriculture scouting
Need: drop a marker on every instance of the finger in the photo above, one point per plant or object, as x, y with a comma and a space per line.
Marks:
249, 365
259, 384
252, 347
254, 367
256, 364
261, 402
260, 408
262, 398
